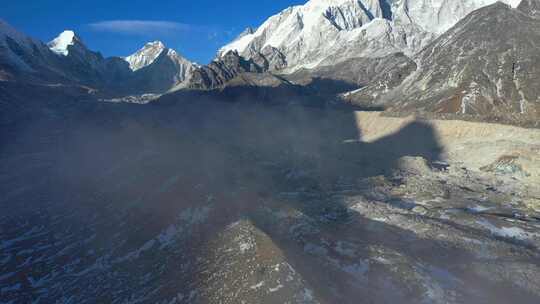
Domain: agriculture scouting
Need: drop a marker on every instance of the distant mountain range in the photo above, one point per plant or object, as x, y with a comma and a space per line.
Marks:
153, 69
464, 57
323, 32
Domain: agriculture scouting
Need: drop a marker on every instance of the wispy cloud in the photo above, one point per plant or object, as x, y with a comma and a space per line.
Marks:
196, 41
142, 27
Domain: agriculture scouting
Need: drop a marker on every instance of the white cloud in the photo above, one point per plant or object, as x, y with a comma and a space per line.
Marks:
141, 27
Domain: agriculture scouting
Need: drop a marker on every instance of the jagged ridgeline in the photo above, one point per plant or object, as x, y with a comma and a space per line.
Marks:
471, 59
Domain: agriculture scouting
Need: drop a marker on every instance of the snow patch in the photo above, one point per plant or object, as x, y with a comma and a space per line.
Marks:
479, 209
507, 232
274, 289
257, 286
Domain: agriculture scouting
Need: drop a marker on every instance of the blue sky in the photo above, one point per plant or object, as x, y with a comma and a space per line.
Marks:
195, 28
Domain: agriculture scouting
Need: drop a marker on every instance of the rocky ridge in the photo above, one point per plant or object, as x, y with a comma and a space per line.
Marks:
486, 65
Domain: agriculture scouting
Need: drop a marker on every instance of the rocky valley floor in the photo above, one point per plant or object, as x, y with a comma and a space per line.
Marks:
212, 202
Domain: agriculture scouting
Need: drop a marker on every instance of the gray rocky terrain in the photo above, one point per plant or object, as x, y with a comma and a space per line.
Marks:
205, 201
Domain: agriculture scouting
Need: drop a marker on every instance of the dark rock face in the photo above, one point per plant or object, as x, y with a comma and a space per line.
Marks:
221, 70
388, 74
367, 78
117, 70
91, 68
251, 88
270, 59
487, 65
28, 60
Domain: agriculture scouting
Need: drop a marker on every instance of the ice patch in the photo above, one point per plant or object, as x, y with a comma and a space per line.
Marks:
507, 232
479, 208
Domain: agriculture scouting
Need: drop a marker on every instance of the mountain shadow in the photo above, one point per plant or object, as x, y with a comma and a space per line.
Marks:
130, 202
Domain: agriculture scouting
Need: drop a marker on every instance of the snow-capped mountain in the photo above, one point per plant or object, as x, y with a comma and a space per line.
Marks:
68, 45
152, 51
437, 16
158, 69
145, 56
64, 60
325, 31
61, 44
84, 65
